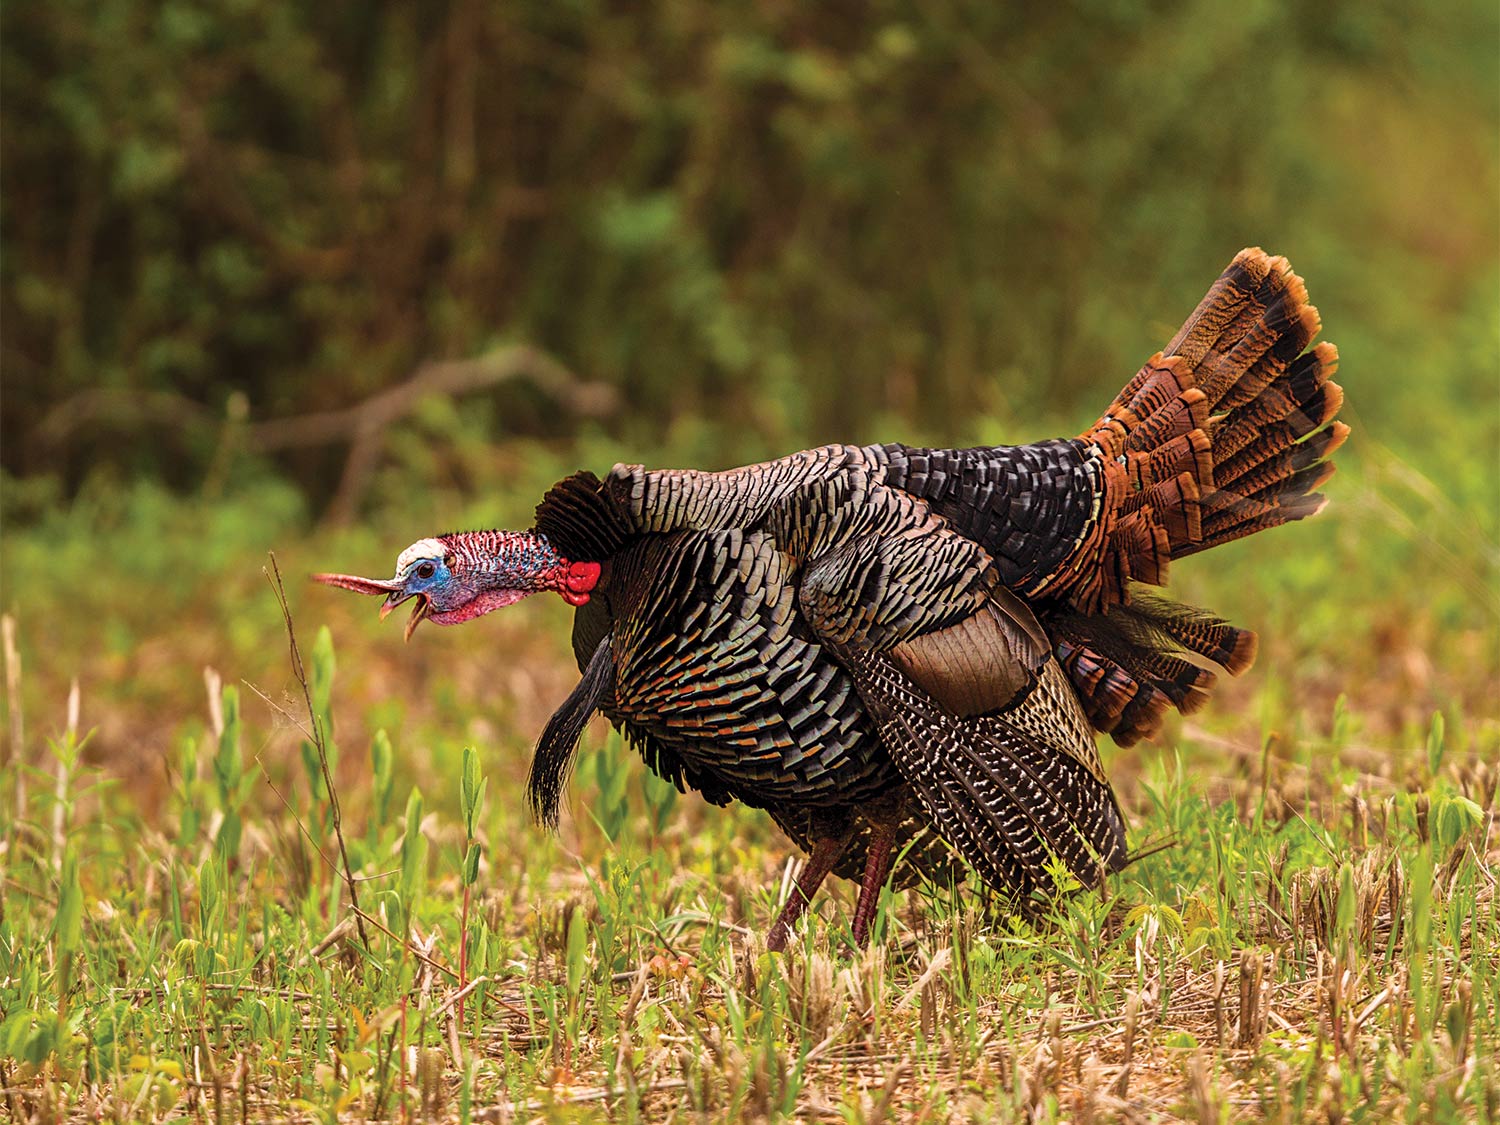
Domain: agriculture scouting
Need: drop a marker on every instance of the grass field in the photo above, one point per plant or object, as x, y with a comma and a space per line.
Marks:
236, 891
1320, 939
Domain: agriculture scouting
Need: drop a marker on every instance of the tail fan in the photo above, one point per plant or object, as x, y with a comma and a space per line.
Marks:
1225, 433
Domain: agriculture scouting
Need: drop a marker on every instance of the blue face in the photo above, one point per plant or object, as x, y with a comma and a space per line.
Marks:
423, 569
425, 576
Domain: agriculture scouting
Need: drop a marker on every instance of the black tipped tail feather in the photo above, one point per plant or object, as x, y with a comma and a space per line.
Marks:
1226, 433
1132, 665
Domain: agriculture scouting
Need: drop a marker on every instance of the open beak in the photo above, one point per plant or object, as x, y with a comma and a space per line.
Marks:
419, 612
394, 593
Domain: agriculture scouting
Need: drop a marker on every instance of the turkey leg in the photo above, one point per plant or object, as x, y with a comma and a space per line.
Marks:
877, 867
825, 854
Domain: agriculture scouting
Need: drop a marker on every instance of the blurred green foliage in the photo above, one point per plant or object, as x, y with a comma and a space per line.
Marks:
794, 223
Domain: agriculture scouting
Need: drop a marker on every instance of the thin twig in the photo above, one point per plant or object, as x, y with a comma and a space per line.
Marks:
334, 936
566, 1096
16, 753
463, 994
319, 742
679, 922
412, 948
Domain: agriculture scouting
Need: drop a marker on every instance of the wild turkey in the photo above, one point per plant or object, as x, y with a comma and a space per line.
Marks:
868, 642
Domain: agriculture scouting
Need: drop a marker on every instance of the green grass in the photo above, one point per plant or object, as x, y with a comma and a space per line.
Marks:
178, 939
1321, 940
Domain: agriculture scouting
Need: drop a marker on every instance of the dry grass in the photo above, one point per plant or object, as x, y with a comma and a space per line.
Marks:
1320, 942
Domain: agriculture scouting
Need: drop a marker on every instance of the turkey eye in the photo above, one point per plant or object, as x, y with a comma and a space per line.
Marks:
426, 570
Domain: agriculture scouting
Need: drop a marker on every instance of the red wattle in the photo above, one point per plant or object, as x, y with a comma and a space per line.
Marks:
574, 581
581, 578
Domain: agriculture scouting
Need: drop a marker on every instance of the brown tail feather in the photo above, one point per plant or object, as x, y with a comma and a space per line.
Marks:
1220, 305
1227, 415
1149, 619
1301, 402
1131, 666
1224, 434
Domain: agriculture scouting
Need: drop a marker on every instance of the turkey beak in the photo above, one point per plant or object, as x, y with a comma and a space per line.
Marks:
395, 593
418, 614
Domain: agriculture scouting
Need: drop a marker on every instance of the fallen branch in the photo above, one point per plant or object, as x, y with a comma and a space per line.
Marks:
362, 426
450, 378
